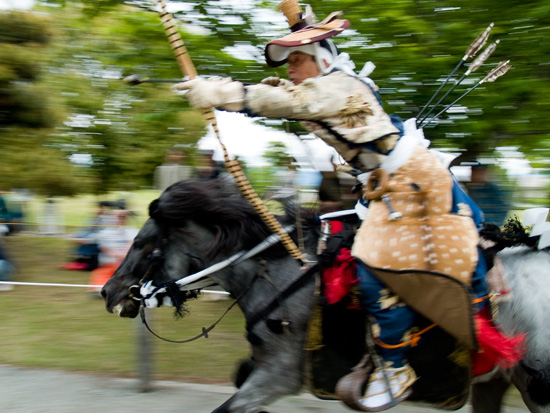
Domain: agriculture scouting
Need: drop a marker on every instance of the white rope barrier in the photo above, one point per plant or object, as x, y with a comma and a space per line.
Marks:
83, 286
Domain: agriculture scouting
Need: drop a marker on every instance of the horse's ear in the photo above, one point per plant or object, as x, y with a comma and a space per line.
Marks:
154, 211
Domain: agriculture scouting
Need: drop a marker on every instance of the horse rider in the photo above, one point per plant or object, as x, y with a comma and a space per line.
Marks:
409, 242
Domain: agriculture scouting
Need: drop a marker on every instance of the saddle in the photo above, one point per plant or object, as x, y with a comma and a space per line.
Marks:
337, 352
340, 358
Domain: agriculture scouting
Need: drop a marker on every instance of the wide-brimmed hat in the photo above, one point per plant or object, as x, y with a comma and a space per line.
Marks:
304, 31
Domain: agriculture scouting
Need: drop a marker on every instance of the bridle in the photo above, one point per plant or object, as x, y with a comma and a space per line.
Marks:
199, 279
148, 294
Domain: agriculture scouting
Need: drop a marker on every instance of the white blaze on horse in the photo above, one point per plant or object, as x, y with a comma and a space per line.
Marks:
207, 228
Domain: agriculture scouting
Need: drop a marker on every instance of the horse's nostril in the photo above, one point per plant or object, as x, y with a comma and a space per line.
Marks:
103, 293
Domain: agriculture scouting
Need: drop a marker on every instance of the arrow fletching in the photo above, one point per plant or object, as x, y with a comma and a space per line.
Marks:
483, 56
478, 43
497, 72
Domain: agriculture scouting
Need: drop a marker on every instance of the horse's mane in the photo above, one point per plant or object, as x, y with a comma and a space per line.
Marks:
217, 205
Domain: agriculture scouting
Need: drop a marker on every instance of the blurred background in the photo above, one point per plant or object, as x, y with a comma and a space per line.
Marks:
73, 134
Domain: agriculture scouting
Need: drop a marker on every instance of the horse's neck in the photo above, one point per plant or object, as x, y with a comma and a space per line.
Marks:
259, 280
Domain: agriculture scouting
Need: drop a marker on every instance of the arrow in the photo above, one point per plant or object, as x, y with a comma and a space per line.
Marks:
137, 80
493, 75
476, 64
471, 51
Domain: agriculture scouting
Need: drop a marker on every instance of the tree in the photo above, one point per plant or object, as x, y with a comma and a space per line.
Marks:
277, 154
124, 130
414, 45
27, 114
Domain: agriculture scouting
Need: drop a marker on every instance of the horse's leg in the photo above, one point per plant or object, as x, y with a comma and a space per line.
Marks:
487, 396
224, 408
278, 372
520, 379
277, 353
279, 362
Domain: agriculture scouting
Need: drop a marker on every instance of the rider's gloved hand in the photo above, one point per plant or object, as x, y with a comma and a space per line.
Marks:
216, 92
276, 81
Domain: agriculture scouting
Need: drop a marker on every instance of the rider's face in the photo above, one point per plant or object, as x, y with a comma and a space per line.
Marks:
301, 66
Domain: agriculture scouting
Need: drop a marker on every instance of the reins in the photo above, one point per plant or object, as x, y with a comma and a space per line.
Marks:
287, 292
205, 331
187, 283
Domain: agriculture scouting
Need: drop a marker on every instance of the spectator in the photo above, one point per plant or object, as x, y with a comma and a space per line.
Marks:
11, 211
208, 168
6, 267
489, 196
114, 243
173, 169
52, 220
86, 254
4, 213
285, 178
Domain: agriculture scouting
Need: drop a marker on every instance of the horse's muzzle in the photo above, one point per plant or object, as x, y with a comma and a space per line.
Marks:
127, 308
123, 305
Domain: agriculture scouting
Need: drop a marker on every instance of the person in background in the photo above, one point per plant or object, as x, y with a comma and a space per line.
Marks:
173, 169
114, 242
490, 197
335, 191
52, 218
85, 255
207, 167
11, 211
6, 267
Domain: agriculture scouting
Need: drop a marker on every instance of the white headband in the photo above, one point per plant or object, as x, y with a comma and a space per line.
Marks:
321, 55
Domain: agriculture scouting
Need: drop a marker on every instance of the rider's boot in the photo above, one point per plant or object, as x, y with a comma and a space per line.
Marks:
378, 396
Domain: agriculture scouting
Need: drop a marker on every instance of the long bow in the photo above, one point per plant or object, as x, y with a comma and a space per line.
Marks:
188, 69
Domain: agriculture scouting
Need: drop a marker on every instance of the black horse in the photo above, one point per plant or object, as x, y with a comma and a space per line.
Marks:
196, 224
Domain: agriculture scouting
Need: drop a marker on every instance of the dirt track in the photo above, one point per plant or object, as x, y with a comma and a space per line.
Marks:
46, 391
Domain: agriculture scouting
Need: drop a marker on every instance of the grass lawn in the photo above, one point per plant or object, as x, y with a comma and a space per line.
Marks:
68, 328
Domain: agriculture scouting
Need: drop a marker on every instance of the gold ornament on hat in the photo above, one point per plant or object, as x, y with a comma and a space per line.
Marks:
304, 30
292, 11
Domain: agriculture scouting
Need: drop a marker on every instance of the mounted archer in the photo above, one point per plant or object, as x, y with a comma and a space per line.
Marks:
415, 256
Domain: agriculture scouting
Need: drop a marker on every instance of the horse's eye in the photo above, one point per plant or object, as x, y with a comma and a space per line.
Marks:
195, 263
137, 244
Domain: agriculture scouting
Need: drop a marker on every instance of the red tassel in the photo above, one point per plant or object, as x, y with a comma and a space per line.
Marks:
340, 277
495, 347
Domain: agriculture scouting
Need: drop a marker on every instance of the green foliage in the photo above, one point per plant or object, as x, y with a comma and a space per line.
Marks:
416, 44
22, 38
26, 110
85, 108
61, 90
277, 154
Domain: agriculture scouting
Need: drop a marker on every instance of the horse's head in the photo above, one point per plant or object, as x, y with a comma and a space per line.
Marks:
159, 255
193, 225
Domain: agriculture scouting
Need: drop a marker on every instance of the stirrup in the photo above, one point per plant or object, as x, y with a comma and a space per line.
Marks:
388, 387
350, 388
